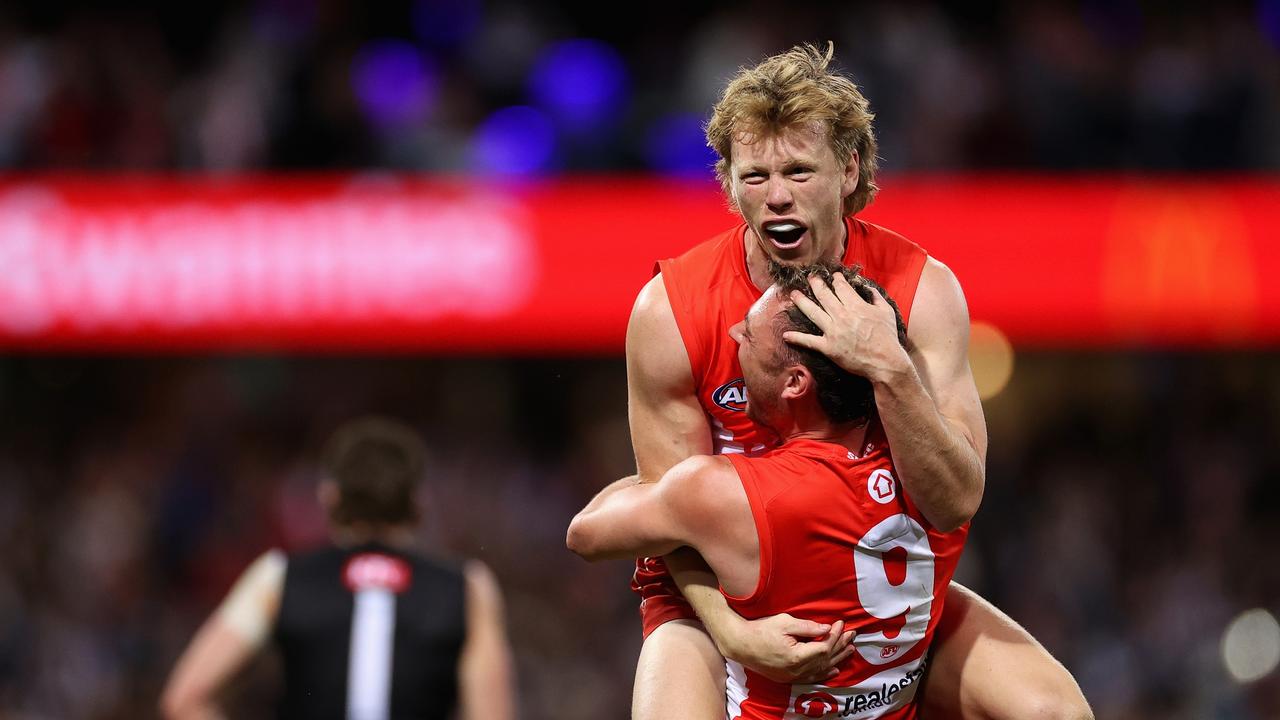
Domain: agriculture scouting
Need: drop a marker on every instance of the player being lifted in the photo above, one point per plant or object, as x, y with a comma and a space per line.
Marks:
817, 527
797, 160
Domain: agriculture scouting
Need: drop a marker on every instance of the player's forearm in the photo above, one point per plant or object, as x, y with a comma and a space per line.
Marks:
584, 534
486, 675
176, 707
603, 496
487, 678
701, 588
776, 646
493, 701
199, 712
608, 527
215, 655
937, 465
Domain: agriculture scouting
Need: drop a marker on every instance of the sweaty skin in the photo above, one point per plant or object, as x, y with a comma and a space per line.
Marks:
932, 415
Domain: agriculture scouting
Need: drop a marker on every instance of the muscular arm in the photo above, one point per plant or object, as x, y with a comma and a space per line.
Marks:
226, 642
698, 503
486, 687
930, 407
926, 399
667, 426
667, 423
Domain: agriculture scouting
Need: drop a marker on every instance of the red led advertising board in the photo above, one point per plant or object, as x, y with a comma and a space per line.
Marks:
403, 263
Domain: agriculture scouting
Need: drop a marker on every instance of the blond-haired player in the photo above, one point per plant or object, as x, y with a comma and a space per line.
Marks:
797, 161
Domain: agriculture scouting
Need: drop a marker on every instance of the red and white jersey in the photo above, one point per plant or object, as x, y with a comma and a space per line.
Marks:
840, 540
710, 290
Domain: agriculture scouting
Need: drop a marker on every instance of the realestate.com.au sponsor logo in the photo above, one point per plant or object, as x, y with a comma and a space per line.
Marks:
862, 701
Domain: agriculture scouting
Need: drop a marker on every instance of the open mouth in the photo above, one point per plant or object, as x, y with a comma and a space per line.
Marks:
785, 234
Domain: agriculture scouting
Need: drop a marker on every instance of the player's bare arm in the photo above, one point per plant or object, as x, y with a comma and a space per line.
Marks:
926, 399
226, 642
667, 426
700, 504
486, 679
694, 504
779, 647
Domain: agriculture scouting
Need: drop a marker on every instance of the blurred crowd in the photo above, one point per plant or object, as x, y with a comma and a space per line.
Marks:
520, 88
1132, 508
1128, 517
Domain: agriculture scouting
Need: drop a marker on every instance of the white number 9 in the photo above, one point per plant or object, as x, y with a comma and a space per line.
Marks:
884, 600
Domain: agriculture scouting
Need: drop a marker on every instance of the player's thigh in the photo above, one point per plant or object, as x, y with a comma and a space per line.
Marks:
680, 674
987, 667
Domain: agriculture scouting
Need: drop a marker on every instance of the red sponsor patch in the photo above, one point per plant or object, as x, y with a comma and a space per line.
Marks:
375, 570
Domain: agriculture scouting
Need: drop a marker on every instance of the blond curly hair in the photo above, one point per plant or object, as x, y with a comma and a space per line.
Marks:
792, 89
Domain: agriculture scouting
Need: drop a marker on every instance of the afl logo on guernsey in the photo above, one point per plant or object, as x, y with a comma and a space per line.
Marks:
731, 395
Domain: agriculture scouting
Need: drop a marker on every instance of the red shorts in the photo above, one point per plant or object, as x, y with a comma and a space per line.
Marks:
660, 599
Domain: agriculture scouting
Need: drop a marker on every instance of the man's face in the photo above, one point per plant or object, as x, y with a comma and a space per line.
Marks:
759, 354
790, 189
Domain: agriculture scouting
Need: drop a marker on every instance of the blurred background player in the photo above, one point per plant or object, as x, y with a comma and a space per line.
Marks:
798, 529
366, 628
797, 159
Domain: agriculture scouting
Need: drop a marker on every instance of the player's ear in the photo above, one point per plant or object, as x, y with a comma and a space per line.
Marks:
851, 175
798, 382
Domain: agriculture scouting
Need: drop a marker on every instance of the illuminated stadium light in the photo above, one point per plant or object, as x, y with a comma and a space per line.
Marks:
446, 23
991, 357
1251, 646
582, 83
395, 84
676, 144
515, 140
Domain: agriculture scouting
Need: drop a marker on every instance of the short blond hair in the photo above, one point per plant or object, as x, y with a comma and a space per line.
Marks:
792, 89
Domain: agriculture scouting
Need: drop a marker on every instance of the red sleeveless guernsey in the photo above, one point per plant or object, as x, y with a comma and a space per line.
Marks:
710, 291
839, 540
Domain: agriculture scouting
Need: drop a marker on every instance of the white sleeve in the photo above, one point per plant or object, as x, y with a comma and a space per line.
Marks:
252, 605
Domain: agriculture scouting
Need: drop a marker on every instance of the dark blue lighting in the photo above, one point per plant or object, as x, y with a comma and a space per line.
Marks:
446, 23
676, 144
582, 83
1269, 20
514, 141
394, 83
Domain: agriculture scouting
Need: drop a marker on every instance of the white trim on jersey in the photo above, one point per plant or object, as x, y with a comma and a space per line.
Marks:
735, 688
723, 441
373, 624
